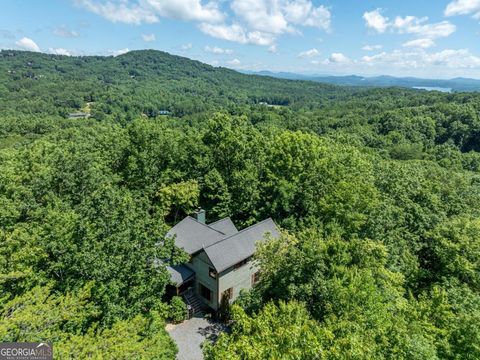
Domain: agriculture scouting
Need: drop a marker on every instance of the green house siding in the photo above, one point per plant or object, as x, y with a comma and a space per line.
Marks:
238, 279
201, 264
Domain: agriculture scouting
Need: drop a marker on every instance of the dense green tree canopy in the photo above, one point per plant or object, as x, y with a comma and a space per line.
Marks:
377, 190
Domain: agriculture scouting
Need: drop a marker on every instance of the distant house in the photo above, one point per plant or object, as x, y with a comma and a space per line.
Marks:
79, 115
263, 103
220, 258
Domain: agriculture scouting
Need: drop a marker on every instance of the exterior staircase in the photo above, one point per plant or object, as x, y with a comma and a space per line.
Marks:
194, 305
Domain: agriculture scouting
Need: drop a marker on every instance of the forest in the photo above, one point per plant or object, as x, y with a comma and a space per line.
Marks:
377, 193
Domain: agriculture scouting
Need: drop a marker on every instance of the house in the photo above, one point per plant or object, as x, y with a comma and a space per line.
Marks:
220, 257
79, 115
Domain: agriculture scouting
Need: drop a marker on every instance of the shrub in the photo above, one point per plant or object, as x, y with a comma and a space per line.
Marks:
178, 309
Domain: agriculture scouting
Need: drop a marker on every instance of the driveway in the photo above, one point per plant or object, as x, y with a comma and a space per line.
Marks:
190, 334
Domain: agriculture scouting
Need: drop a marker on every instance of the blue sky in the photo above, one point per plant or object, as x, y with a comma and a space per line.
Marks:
426, 38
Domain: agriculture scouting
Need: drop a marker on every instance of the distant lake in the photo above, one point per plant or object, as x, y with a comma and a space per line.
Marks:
434, 88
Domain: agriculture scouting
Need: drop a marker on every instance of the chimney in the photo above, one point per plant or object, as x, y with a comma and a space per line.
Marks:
200, 215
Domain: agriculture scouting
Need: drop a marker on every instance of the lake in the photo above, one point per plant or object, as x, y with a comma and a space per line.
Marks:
434, 88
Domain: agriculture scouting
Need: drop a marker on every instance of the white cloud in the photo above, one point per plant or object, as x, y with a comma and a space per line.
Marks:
371, 47
337, 58
27, 44
309, 53
420, 43
59, 51
260, 38
217, 50
148, 37
232, 32
262, 15
150, 11
376, 21
186, 9
120, 11
237, 33
408, 25
273, 49
256, 22
281, 16
234, 62
316, 17
186, 46
63, 31
418, 26
119, 52
463, 7
420, 59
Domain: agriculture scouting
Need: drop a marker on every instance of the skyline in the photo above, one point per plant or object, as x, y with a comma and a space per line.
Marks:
435, 40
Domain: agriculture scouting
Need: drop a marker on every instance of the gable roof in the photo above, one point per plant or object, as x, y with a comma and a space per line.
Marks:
225, 226
237, 247
193, 236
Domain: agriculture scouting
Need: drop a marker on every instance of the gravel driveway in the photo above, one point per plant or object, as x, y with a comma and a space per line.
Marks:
190, 334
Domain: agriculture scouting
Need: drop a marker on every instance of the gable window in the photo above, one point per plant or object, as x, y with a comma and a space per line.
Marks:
228, 293
212, 273
241, 263
255, 277
205, 292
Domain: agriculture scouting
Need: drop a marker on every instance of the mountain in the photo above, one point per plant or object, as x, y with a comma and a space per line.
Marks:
151, 83
456, 84
145, 81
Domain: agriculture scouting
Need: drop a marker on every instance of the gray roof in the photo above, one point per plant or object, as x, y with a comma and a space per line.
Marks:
179, 274
193, 236
240, 246
225, 226
79, 114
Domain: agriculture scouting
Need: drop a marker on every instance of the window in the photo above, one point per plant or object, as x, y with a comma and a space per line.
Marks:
228, 293
255, 278
241, 263
212, 273
205, 292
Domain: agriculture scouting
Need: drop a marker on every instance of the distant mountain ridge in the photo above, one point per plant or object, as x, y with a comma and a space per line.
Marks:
455, 84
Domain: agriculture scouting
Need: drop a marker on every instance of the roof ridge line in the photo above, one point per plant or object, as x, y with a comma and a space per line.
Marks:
247, 228
188, 216
225, 218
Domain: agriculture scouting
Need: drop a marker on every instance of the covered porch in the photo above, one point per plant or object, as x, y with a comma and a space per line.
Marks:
182, 278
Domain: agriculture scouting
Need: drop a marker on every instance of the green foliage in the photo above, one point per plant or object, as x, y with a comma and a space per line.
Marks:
40, 315
454, 251
140, 337
277, 332
66, 321
178, 309
361, 305
182, 198
378, 188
